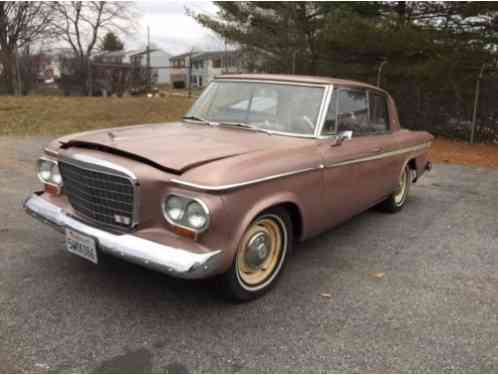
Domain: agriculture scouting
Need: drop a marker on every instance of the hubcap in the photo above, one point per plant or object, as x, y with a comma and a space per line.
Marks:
259, 252
258, 249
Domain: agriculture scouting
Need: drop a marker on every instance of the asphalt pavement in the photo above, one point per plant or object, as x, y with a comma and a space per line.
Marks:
415, 291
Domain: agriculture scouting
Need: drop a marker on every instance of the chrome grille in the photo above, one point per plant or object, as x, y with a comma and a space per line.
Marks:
104, 196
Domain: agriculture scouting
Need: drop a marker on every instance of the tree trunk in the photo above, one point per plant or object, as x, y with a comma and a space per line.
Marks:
7, 58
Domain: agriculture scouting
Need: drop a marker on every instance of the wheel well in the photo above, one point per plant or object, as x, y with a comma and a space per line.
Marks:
412, 164
296, 218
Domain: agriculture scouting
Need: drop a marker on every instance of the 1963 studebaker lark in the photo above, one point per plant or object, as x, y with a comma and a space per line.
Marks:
258, 162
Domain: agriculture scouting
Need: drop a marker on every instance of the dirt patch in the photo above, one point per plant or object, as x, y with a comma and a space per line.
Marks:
456, 152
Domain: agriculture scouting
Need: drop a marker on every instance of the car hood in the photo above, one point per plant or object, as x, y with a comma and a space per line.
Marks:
177, 146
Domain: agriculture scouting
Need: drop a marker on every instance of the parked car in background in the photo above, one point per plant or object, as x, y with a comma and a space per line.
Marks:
259, 162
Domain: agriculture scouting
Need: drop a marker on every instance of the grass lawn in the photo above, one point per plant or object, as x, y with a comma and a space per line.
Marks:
56, 115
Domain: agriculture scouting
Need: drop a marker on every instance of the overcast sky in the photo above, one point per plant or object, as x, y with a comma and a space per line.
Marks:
173, 30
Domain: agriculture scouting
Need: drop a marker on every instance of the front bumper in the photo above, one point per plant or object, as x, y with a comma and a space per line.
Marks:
170, 260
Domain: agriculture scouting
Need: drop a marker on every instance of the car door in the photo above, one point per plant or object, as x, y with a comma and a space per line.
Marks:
353, 169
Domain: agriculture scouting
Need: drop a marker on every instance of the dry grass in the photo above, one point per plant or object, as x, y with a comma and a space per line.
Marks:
38, 115
456, 152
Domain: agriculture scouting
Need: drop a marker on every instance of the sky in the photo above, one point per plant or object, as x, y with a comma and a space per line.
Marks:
171, 29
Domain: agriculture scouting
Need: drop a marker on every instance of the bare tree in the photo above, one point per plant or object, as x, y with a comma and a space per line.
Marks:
82, 23
21, 23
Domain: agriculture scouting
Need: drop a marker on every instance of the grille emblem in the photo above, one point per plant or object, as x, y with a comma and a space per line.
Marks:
122, 219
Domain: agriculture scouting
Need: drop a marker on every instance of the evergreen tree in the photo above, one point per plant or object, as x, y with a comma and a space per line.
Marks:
434, 50
111, 42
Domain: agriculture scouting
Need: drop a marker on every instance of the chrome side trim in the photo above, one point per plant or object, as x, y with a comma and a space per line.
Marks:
170, 260
241, 184
381, 156
282, 175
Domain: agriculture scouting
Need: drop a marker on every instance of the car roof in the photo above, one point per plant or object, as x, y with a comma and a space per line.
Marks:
299, 79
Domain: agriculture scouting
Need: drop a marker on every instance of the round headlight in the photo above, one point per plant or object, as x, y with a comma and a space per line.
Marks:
197, 217
56, 175
45, 168
174, 208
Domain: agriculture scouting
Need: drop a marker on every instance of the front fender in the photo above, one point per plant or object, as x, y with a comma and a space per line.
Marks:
248, 210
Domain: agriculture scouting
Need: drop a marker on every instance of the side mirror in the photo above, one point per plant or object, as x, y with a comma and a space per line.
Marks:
343, 136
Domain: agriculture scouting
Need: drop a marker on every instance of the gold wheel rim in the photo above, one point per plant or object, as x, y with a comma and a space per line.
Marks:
400, 195
254, 274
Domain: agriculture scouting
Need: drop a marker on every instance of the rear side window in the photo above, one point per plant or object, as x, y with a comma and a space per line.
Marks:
379, 118
352, 111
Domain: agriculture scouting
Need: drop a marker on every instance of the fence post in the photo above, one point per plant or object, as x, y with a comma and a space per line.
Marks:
18, 83
379, 72
476, 104
89, 76
294, 62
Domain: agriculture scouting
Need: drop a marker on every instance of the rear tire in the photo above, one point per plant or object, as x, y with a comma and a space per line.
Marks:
261, 256
397, 200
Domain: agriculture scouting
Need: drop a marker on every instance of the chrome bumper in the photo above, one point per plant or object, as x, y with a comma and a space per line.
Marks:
173, 261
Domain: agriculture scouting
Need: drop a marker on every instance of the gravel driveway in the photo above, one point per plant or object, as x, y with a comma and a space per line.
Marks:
415, 291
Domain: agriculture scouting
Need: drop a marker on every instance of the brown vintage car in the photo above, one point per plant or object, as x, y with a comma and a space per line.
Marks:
259, 162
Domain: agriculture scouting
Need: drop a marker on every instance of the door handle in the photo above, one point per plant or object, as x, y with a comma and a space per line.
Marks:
377, 149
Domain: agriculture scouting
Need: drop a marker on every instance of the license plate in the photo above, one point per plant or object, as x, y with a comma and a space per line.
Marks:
79, 244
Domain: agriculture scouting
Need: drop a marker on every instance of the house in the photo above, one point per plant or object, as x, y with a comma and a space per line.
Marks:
47, 66
159, 62
202, 67
179, 67
126, 71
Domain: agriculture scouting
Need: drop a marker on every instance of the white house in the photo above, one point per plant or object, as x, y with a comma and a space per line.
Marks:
159, 62
204, 67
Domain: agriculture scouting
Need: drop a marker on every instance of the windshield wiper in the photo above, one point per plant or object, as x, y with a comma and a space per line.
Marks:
200, 119
245, 125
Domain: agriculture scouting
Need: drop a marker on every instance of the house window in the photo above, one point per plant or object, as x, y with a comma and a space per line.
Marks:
217, 63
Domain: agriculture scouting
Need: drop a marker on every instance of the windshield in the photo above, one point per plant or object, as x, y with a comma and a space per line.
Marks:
267, 106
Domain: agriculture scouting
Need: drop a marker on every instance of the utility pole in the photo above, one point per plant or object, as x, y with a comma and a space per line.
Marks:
90, 77
379, 72
476, 103
294, 62
148, 72
225, 58
190, 73
18, 89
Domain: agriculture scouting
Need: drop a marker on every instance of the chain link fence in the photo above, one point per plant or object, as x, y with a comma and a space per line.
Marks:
439, 106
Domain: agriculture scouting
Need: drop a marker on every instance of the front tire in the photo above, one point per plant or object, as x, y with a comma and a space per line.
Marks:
260, 257
397, 200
